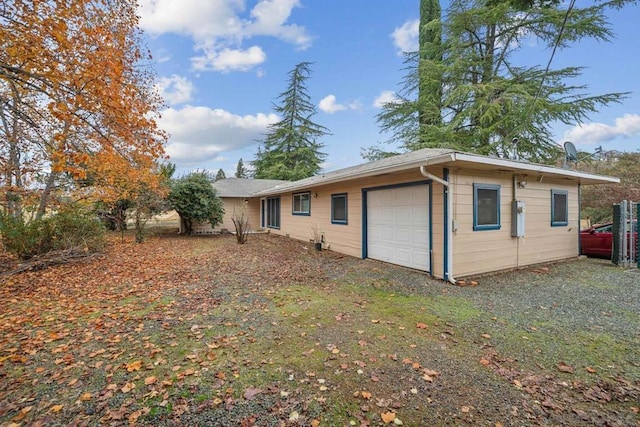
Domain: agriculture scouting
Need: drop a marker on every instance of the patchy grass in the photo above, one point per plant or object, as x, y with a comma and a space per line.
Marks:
197, 331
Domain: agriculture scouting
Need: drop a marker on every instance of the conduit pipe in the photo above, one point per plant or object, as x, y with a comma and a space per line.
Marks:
448, 221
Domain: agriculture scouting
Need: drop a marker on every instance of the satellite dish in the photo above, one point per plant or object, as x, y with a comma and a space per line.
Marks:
571, 154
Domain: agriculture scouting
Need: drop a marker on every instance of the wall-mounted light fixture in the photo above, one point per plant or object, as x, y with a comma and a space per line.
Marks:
315, 195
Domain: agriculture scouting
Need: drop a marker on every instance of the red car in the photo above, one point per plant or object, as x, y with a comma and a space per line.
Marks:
597, 241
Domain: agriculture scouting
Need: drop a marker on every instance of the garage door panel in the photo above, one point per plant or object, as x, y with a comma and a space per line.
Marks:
398, 226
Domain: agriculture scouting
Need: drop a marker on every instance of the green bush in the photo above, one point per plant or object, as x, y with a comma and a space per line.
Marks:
69, 228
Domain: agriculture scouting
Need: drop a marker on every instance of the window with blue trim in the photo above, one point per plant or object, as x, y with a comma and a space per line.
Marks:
559, 208
339, 208
486, 207
301, 203
273, 212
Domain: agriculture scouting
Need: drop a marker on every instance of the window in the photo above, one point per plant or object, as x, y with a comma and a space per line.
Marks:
559, 208
339, 208
273, 212
486, 207
301, 204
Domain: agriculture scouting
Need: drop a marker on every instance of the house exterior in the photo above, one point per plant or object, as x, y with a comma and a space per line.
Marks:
449, 213
236, 197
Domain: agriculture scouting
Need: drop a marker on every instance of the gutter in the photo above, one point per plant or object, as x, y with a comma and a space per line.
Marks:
449, 235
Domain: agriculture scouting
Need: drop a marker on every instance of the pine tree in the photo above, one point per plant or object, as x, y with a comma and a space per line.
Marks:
241, 171
487, 98
290, 149
430, 75
220, 175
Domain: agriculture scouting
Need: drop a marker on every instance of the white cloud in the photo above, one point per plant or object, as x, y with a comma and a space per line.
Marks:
329, 105
597, 133
226, 60
405, 38
175, 89
220, 28
385, 97
200, 134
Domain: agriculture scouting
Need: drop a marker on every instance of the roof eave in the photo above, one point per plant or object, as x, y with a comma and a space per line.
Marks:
521, 167
339, 178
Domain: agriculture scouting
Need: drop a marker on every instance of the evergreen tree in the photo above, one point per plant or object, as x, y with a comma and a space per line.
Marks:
241, 171
195, 200
430, 75
488, 99
290, 149
220, 175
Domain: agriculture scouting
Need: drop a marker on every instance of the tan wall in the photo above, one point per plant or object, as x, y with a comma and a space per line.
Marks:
492, 250
251, 209
474, 251
347, 239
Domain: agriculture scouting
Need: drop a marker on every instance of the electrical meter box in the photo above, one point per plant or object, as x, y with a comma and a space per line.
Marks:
517, 218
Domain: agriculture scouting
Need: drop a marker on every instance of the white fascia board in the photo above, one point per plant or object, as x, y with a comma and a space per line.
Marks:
522, 167
323, 179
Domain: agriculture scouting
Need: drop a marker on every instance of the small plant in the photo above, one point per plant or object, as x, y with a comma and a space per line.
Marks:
316, 237
241, 223
69, 229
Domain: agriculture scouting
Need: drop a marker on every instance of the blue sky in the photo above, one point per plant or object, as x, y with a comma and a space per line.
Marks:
222, 63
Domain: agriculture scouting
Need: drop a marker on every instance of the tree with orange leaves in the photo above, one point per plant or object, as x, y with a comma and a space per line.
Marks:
76, 102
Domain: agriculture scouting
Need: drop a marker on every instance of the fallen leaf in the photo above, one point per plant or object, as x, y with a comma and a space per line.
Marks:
133, 417
250, 393
150, 380
388, 417
294, 416
85, 397
563, 367
57, 408
421, 325
484, 361
366, 395
590, 370
134, 366
127, 387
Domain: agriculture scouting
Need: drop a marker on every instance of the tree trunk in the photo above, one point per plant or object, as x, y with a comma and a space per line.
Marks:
46, 193
185, 226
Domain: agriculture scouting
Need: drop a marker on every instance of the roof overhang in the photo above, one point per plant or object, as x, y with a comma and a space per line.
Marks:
332, 178
484, 163
443, 158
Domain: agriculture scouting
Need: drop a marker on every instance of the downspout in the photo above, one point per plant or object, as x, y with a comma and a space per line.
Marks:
448, 221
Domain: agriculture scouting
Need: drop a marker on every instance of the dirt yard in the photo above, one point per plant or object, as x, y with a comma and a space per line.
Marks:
202, 331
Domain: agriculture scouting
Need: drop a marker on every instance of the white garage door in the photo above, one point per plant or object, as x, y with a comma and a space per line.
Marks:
398, 226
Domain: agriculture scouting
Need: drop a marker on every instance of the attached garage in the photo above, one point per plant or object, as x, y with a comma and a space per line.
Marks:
397, 228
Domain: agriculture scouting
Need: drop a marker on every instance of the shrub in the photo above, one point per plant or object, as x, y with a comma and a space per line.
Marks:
68, 229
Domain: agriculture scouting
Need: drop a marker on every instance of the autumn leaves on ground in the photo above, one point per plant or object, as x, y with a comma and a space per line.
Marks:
202, 331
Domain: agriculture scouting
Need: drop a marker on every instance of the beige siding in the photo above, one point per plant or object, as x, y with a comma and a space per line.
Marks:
474, 252
491, 250
233, 205
347, 238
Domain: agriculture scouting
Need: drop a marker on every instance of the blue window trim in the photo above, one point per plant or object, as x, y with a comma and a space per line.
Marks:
344, 221
271, 200
564, 193
483, 227
293, 197
365, 236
